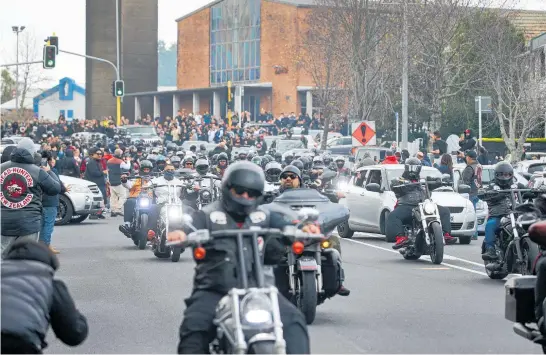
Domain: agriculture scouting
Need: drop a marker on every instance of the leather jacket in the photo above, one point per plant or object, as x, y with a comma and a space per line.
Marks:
407, 194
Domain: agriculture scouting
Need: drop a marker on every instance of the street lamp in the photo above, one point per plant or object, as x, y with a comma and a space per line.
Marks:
17, 30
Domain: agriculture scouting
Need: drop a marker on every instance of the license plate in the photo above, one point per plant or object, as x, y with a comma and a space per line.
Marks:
451, 218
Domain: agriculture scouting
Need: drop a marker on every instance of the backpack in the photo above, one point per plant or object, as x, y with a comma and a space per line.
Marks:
478, 176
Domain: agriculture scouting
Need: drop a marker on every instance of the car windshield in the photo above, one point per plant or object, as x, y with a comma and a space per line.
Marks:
536, 168
425, 173
141, 130
284, 145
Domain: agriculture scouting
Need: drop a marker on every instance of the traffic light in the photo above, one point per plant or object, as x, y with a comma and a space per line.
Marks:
50, 53
54, 41
119, 88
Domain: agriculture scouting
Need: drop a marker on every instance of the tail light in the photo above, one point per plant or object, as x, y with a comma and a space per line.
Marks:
297, 247
199, 253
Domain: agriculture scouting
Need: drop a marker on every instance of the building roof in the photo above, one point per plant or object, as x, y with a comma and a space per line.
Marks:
532, 23
27, 104
66, 89
298, 3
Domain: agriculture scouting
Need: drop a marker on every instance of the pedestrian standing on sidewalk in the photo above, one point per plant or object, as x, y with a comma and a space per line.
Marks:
50, 206
117, 192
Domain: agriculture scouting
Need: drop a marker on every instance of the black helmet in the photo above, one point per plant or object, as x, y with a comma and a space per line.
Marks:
172, 147
273, 171
278, 157
181, 154
504, 174
186, 161
202, 166
175, 161
298, 164
292, 169
257, 160
202, 147
146, 164
243, 177
222, 156
412, 169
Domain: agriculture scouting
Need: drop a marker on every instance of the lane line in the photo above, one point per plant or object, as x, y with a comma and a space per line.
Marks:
445, 264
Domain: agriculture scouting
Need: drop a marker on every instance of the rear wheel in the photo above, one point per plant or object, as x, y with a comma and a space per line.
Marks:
307, 300
437, 243
143, 232
530, 252
345, 231
175, 256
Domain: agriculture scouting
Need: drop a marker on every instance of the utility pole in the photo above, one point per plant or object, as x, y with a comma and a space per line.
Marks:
17, 30
405, 70
118, 98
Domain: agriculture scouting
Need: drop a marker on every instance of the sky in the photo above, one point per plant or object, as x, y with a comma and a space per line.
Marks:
66, 18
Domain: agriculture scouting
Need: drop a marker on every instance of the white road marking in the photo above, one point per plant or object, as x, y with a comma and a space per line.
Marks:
445, 264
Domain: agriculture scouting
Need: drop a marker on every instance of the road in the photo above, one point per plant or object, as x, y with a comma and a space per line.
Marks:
134, 301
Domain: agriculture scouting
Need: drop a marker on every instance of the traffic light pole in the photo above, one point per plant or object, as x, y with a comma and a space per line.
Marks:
20, 63
118, 99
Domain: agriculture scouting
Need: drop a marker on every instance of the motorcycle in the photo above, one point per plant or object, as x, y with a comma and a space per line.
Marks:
314, 269
248, 318
208, 190
138, 231
515, 251
425, 233
520, 297
171, 211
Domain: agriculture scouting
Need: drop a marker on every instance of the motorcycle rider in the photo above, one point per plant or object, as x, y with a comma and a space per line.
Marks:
222, 165
499, 205
175, 161
162, 192
291, 179
341, 170
408, 197
134, 187
242, 186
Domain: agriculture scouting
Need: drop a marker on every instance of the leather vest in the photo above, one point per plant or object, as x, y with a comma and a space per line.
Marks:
220, 269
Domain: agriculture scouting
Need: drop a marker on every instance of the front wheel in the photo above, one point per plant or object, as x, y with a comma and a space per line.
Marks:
344, 231
307, 300
143, 232
175, 256
437, 243
262, 347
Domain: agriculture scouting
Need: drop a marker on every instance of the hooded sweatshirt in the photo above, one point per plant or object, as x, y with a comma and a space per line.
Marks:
22, 185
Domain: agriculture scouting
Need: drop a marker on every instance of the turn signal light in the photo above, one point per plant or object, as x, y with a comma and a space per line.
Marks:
199, 253
151, 234
297, 248
325, 244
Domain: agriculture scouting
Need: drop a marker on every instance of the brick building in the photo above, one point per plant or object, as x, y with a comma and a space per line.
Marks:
251, 43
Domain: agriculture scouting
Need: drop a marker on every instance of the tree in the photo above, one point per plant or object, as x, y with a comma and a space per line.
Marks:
443, 57
166, 64
30, 75
320, 59
8, 84
519, 94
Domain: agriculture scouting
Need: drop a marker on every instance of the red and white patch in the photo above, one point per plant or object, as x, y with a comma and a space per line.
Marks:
260, 243
15, 184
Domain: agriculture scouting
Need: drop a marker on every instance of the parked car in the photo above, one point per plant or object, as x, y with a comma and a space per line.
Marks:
143, 133
370, 210
82, 199
528, 167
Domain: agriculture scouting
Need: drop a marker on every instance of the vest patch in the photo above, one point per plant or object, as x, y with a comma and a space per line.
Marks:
257, 217
15, 184
218, 217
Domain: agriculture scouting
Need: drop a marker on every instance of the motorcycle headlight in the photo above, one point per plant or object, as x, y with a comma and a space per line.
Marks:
256, 310
342, 186
205, 194
144, 202
429, 207
175, 213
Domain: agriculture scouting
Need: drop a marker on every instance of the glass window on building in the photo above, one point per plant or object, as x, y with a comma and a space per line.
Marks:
235, 42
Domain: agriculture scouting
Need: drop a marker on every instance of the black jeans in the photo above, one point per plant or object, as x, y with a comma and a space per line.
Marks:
197, 329
129, 209
540, 288
402, 216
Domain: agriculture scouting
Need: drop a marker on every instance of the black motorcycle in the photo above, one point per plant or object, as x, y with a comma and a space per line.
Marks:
138, 230
313, 267
515, 251
248, 318
520, 296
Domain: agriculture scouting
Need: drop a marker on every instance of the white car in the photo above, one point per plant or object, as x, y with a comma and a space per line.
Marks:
82, 199
370, 210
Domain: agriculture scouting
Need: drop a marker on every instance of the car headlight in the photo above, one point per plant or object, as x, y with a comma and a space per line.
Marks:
480, 206
429, 207
256, 309
144, 202
78, 189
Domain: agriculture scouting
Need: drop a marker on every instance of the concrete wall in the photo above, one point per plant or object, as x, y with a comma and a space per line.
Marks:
139, 47
100, 39
138, 52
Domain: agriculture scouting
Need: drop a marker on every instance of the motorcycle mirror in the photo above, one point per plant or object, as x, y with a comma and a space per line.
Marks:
446, 178
537, 233
463, 189
308, 214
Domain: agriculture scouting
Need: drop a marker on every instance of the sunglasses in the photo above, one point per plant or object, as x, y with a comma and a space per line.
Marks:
251, 193
170, 170
287, 176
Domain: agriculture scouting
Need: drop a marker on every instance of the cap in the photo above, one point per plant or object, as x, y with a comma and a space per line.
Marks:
467, 131
472, 154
